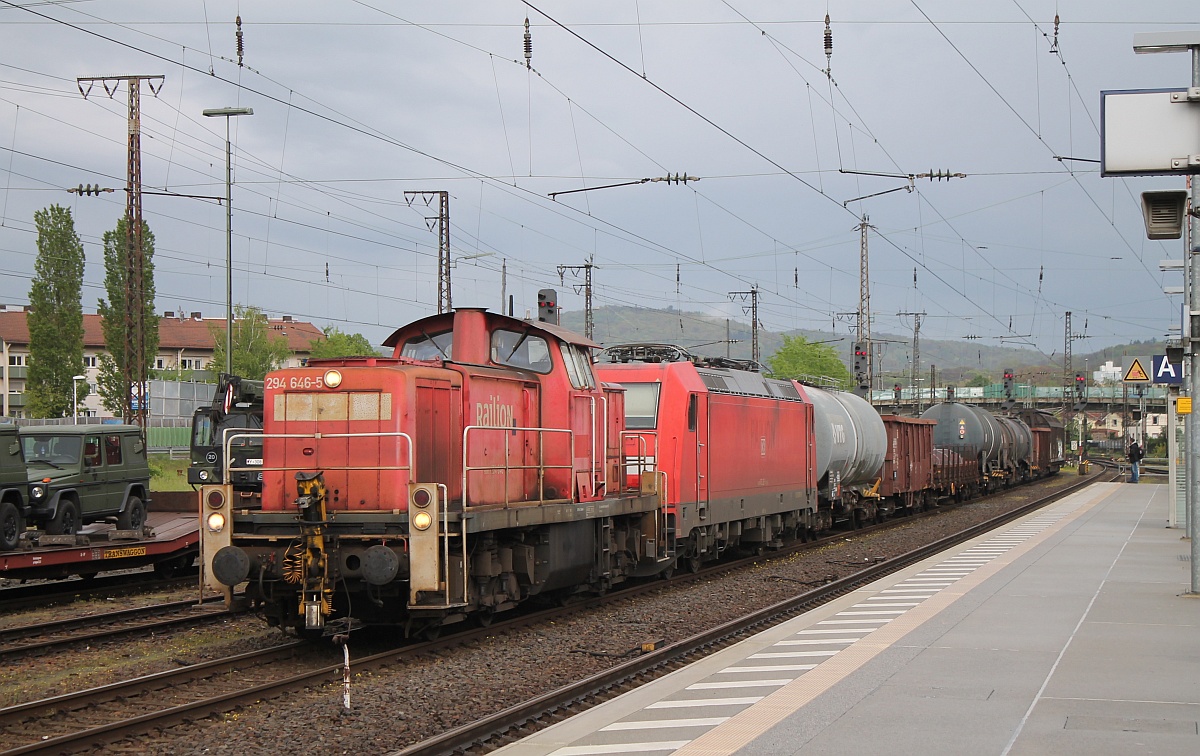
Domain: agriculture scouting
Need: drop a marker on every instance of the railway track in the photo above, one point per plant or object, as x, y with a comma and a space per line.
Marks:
147, 621
47, 592
101, 715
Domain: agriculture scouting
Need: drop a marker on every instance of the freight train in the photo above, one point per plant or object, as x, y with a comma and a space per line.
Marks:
490, 461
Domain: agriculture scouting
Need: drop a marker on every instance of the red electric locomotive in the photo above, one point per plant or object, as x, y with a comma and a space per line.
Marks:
478, 466
736, 449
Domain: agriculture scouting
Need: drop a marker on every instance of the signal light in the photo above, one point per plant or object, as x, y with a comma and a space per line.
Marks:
548, 306
860, 360
1009, 377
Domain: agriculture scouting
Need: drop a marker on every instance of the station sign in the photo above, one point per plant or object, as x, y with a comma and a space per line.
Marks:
1166, 372
1149, 132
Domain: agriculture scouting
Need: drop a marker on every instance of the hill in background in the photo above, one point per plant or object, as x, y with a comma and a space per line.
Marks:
957, 361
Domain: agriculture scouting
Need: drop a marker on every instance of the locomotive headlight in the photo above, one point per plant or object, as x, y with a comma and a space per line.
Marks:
422, 520
421, 498
37, 491
333, 378
215, 522
203, 475
215, 499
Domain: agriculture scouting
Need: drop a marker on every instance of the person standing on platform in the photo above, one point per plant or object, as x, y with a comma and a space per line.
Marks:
1135, 457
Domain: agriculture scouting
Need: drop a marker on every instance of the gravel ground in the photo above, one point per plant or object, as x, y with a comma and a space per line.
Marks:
396, 707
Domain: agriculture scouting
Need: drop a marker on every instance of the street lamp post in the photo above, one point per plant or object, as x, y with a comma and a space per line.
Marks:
75, 379
227, 113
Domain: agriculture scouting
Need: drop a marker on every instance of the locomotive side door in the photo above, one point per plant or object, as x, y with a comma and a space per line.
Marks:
697, 420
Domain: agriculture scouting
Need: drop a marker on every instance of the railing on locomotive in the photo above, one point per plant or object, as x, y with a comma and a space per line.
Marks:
507, 466
228, 468
641, 461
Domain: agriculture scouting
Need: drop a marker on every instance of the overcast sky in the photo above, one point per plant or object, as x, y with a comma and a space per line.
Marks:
356, 103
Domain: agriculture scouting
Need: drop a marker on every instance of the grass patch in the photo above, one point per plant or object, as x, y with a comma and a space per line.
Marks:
167, 474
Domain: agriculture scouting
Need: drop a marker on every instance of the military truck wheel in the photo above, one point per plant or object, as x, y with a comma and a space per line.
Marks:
134, 516
66, 520
11, 526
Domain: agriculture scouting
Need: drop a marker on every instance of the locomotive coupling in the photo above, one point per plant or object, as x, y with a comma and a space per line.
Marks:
306, 563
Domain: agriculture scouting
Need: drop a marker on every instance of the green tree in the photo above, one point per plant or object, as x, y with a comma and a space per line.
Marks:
56, 315
111, 383
797, 358
255, 350
339, 344
979, 380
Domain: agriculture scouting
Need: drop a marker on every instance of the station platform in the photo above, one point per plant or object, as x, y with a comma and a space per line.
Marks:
1069, 631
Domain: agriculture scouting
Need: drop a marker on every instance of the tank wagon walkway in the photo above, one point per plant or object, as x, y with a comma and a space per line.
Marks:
1064, 632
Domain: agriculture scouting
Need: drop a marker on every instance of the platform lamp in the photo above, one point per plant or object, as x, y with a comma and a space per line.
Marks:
75, 379
227, 113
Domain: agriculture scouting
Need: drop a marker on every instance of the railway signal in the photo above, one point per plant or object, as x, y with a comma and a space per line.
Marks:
548, 306
1009, 377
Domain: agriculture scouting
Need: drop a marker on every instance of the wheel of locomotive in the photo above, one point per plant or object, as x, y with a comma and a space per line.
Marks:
485, 616
856, 519
134, 516
11, 526
66, 520
667, 572
431, 633
693, 564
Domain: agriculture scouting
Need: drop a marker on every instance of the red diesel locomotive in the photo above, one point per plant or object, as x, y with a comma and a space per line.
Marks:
478, 466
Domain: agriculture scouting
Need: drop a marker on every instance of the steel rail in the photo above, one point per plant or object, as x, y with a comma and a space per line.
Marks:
47, 592
139, 619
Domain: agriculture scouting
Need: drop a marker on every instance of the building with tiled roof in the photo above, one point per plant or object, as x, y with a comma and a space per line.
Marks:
185, 345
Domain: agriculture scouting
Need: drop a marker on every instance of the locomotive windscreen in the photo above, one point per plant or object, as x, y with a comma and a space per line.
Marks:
429, 347
641, 405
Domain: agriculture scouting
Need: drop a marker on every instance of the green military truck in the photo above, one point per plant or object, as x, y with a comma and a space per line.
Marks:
13, 509
80, 474
236, 412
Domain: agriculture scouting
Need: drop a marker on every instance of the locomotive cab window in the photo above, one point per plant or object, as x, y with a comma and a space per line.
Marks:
427, 347
641, 405
521, 350
579, 366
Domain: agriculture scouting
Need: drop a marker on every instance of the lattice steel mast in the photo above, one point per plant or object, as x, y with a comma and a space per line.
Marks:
133, 372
